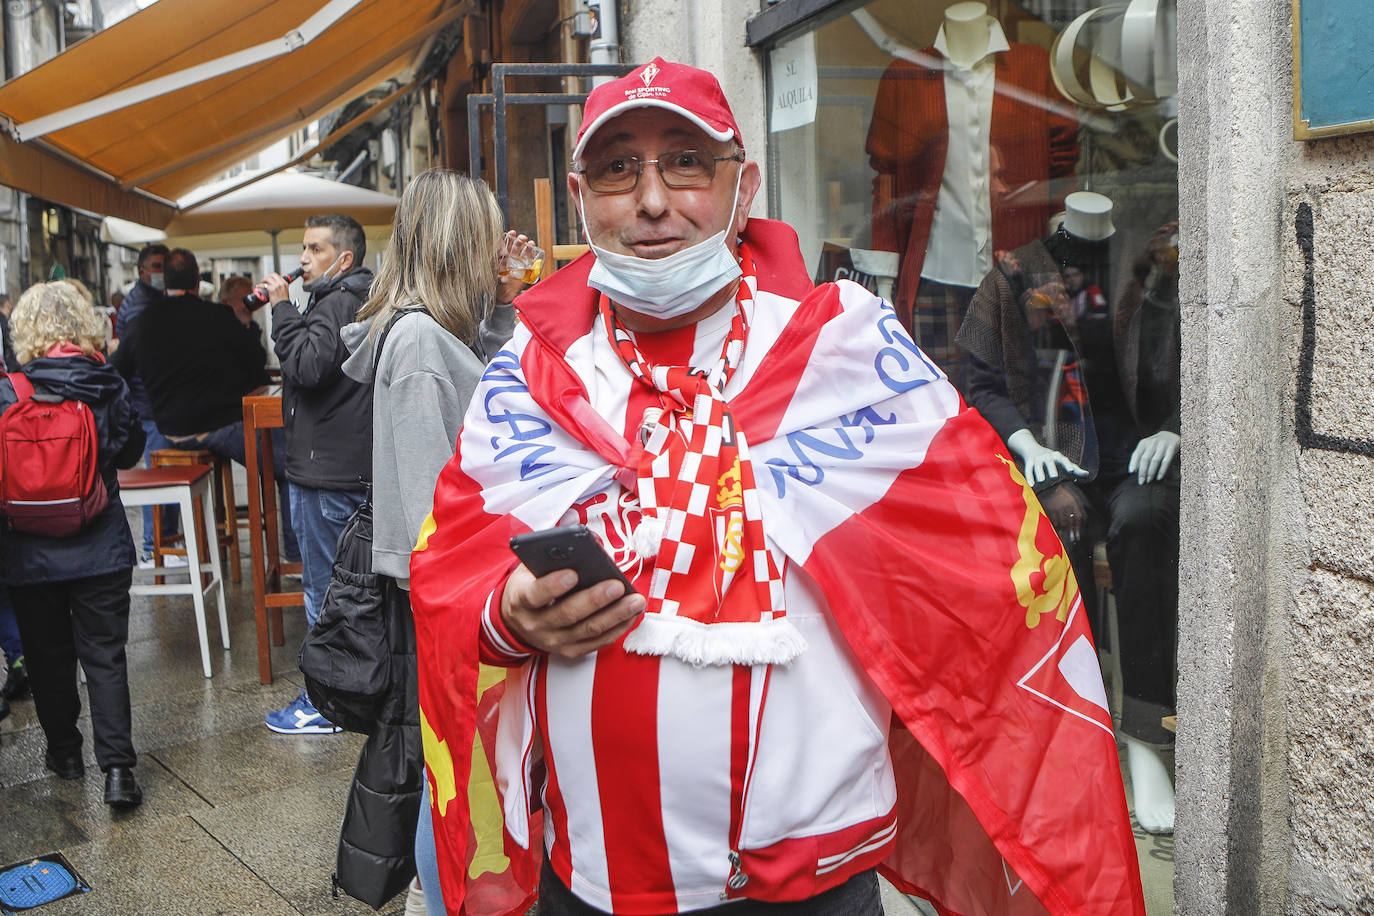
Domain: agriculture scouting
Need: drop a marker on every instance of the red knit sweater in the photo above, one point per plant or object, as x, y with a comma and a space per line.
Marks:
908, 140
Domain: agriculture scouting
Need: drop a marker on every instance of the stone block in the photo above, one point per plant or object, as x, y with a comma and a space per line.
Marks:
1331, 746
289, 837
232, 765
1343, 358
177, 868
1338, 496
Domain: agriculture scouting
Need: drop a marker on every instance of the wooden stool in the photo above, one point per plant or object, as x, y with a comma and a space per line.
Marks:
189, 488
226, 507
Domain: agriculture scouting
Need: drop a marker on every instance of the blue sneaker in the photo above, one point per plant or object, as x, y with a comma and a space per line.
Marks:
300, 717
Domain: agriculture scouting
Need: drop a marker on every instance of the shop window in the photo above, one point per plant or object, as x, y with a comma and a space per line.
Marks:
1004, 173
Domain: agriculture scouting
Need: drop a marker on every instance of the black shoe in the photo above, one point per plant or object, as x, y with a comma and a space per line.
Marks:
121, 789
16, 681
66, 766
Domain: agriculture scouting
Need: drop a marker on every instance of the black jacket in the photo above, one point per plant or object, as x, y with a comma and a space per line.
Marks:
197, 361
105, 545
140, 296
328, 416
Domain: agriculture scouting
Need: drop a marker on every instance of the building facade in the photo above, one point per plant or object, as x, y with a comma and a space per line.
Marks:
1275, 684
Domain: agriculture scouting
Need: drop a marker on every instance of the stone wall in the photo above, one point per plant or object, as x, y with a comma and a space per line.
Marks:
1276, 680
1329, 291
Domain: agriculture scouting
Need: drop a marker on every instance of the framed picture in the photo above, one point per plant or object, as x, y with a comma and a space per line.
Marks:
1333, 84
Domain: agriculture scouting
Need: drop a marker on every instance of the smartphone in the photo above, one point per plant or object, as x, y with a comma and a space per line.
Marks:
568, 547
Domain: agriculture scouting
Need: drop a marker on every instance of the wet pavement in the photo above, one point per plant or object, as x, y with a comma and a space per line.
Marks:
235, 819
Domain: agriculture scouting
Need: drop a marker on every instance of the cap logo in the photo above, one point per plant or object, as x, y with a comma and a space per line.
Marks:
649, 73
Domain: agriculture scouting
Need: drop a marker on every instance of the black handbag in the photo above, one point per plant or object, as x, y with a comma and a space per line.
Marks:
346, 656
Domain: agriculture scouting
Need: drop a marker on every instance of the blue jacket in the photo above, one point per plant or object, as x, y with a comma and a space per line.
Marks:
105, 545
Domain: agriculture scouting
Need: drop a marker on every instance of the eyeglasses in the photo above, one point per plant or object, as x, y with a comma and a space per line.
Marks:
681, 168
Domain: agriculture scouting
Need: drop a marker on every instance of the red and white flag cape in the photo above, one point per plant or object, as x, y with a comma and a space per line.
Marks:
936, 560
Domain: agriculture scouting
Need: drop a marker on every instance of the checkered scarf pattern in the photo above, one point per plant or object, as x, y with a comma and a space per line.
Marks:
696, 482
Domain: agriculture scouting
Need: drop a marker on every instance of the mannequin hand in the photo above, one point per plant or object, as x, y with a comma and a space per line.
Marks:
1040, 463
1067, 509
1153, 455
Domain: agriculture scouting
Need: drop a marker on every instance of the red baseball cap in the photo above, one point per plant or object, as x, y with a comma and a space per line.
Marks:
687, 91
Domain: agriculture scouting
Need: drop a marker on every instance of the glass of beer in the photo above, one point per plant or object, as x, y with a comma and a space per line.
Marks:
523, 260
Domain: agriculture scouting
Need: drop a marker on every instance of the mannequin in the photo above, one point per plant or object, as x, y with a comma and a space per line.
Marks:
1087, 217
1102, 463
966, 33
964, 146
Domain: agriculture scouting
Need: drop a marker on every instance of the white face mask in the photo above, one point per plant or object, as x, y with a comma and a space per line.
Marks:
671, 286
156, 280
324, 276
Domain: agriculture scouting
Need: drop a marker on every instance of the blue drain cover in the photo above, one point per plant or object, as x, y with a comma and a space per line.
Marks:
25, 885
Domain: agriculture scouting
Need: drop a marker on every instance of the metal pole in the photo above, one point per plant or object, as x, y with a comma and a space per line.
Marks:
474, 136
276, 253
605, 49
498, 89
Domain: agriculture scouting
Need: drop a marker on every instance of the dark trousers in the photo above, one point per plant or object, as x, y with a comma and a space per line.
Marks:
86, 619
856, 897
10, 643
1141, 528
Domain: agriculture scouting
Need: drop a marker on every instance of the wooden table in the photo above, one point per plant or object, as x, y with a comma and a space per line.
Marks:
262, 413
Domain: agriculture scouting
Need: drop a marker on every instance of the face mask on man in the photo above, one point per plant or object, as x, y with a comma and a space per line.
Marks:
156, 280
326, 275
666, 287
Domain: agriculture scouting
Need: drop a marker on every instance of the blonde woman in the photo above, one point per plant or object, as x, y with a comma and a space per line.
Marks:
435, 313
71, 594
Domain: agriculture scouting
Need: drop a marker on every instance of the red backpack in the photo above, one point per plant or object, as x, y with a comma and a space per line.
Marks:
50, 482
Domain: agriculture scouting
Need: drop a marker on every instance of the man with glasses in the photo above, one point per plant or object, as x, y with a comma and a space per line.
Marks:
828, 555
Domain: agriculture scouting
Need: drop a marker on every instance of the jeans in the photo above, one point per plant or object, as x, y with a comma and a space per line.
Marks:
86, 619
858, 896
427, 858
10, 643
156, 440
227, 442
319, 517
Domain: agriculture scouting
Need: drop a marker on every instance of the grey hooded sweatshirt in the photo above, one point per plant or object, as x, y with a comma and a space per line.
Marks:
421, 387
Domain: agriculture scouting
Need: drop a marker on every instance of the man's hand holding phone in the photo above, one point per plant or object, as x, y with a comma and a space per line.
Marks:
546, 614
550, 613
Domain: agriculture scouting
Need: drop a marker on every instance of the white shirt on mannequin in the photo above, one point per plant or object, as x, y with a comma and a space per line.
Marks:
960, 248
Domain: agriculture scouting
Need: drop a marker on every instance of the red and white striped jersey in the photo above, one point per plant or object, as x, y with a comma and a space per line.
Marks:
665, 781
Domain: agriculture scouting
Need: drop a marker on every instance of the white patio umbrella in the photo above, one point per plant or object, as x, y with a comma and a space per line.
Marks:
246, 221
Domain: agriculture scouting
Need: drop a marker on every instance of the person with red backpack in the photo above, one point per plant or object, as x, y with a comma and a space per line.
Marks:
66, 552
